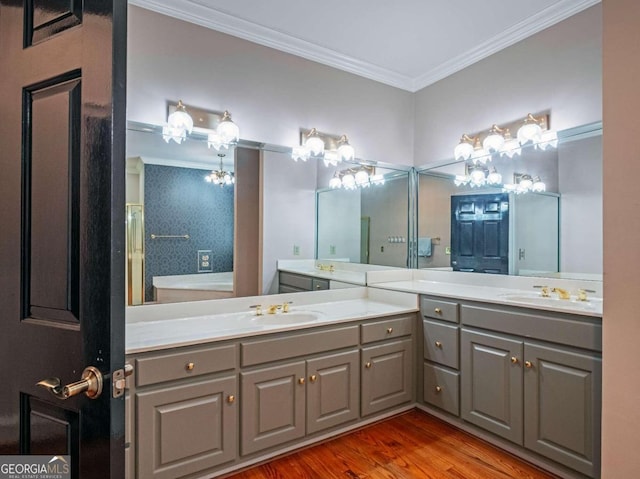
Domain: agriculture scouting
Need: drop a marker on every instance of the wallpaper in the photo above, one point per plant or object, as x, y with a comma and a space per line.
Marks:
178, 201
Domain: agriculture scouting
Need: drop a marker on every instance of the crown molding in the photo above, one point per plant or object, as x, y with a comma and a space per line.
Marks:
193, 11
532, 25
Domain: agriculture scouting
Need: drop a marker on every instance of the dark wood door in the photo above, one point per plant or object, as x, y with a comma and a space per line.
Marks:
63, 67
480, 233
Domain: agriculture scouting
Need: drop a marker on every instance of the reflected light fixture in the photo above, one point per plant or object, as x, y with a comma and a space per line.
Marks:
361, 176
346, 152
314, 143
221, 177
179, 123
332, 149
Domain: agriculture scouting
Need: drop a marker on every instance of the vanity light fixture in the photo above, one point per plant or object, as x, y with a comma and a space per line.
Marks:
221, 177
221, 131
478, 175
532, 130
332, 149
524, 183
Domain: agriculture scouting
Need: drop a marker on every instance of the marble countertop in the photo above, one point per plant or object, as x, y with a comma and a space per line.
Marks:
168, 326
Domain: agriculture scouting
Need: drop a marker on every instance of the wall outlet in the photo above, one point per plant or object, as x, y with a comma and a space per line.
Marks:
447, 250
296, 250
332, 249
205, 263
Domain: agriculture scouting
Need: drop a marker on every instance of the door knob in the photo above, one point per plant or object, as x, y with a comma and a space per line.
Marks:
90, 385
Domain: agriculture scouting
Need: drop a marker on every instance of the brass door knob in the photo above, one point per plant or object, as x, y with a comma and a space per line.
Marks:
389, 330
231, 399
438, 344
438, 389
90, 385
301, 381
190, 366
437, 311
367, 365
313, 378
528, 364
514, 360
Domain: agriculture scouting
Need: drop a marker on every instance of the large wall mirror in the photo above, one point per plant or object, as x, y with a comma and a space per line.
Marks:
465, 226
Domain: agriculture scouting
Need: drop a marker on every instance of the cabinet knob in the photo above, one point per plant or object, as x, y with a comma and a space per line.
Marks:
313, 378
438, 389
389, 330
231, 399
301, 381
318, 286
514, 360
438, 344
528, 364
190, 366
367, 365
437, 311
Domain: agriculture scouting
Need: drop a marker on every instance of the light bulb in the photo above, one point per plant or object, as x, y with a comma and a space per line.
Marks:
346, 152
530, 131
495, 141
314, 143
180, 119
228, 130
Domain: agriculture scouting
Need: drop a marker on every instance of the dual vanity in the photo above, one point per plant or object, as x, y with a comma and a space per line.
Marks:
221, 385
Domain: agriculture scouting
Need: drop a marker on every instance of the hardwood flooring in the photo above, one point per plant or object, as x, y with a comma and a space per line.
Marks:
412, 445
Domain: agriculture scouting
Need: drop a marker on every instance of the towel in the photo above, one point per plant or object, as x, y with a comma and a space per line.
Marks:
424, 246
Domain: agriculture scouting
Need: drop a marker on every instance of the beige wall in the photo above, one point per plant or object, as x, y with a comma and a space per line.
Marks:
558, 69
621, 386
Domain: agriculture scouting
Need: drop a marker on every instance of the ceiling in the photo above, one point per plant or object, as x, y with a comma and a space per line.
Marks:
408, 44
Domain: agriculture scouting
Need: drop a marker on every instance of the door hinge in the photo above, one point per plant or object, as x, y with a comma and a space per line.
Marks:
119, 383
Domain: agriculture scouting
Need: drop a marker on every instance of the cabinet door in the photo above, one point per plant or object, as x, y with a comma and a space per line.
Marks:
491, 394
562, 406
186, 429
273, 406
332, 391
387, 376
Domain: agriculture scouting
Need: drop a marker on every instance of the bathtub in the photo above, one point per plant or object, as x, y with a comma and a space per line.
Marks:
192, 287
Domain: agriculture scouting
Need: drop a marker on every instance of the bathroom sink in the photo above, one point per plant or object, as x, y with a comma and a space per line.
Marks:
285, 318
553, 302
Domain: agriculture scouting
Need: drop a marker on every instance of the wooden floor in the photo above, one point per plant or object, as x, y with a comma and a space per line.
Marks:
412, 445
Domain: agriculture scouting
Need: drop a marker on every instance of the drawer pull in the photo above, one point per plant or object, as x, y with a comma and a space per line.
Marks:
313, 378
367, 365
190, 366
301, 381
528, 364
438, 344
318, 286
437, 311
231, 399
514, 360
389, 330
438, 389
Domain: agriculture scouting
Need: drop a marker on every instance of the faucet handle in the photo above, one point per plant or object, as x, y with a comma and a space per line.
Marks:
545, 290
582, 294
258, 308
285, 306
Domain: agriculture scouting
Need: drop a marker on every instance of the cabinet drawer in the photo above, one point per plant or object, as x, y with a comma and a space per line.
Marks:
435, 308
387, 329
289, 289
294, 345
180, 364
319, 284
441, 388
441, 343
297, 281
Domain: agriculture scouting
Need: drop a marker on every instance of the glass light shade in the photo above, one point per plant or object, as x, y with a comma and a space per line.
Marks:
377, 180
511, 148
208, 179
362, 178
228, 130
331, 158
177, 135
477, 178
463, 151
315, 144
494, 178
348, 182
461, 180
529, 132
335, 183
346, 152
299, 153
525, 183
480, 155
493, 143
538, 186
548, 140
180, 119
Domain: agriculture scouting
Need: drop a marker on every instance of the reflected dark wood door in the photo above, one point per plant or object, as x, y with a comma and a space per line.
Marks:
63, 67
480, 233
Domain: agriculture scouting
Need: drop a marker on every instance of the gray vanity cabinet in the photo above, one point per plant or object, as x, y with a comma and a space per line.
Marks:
293, 283
562, 404
492, 383
273, 406
186, 428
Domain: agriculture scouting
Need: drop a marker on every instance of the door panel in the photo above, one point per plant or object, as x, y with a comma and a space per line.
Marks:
62, 187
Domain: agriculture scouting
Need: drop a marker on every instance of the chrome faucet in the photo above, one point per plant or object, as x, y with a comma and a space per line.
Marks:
562, 293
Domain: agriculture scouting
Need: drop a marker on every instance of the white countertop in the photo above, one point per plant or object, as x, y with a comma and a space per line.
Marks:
343, 272
156, 327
